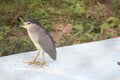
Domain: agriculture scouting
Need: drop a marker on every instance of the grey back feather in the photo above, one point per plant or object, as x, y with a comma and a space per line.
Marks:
47, 43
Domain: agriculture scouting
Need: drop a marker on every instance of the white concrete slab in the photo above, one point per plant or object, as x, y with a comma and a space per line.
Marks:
90, 61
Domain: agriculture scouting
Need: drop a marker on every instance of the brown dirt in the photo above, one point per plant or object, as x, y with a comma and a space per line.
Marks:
60, 30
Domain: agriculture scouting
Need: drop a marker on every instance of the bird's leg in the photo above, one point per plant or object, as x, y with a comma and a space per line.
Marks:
36, 56
34, 61
43, 60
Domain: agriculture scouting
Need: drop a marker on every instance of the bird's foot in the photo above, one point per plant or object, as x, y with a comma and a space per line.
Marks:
43, 63
33, 62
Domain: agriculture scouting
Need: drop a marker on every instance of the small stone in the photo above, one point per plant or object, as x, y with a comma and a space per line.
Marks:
118, 63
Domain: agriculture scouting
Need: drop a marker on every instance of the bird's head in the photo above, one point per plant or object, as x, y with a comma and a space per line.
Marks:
29, 23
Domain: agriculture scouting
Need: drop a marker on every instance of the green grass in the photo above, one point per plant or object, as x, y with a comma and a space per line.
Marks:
91, 20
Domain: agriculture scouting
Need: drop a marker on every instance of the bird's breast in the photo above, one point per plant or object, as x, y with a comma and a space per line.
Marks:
34, 38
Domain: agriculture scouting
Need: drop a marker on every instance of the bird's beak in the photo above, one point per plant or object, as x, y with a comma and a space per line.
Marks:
21, 25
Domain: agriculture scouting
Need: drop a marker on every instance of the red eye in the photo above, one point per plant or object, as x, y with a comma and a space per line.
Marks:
29, 23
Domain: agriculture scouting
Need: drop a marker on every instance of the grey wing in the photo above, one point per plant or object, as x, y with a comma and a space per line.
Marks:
47, 43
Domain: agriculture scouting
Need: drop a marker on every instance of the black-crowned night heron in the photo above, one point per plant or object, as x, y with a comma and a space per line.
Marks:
41, 39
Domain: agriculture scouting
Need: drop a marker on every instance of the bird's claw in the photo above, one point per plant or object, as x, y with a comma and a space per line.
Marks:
43, 63
33, 62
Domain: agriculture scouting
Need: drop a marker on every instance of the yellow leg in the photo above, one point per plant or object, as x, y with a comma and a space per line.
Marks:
35, 59
43, 60
36, 56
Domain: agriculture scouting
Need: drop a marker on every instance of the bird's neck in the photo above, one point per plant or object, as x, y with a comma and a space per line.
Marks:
32, 30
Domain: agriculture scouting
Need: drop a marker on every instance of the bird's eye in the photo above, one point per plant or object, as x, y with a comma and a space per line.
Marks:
29, 23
